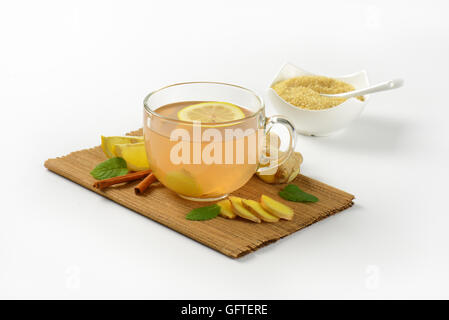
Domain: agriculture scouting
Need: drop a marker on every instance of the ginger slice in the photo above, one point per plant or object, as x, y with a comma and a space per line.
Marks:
238, 209
226, 209
276, 208
256, 208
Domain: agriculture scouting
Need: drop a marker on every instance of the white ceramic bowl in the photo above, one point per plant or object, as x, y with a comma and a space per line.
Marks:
319, 122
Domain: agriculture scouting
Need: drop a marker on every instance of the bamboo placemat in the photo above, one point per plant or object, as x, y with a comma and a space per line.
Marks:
233, 238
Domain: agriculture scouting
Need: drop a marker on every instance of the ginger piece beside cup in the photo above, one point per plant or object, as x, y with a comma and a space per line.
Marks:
287, 171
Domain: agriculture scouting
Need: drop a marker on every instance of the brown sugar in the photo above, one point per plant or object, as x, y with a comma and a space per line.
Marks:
304, 91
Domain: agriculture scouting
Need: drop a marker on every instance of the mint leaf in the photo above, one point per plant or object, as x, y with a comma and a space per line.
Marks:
293, 193
110, 168
203, 213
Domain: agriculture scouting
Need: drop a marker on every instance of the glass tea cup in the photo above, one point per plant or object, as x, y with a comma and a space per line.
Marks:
205, 161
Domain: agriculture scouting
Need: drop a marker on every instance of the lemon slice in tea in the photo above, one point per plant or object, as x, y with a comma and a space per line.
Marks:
211, 112
134, 155
183, 183
108, 143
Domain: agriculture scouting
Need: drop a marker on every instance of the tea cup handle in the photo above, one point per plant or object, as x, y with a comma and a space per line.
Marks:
273, 160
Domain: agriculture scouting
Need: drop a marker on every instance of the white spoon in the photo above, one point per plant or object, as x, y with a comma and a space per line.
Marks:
392, 84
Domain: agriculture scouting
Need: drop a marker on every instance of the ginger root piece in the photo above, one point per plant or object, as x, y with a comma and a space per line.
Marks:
256, 208
286, 172
272, 142
238, 209
226, 209
276, 208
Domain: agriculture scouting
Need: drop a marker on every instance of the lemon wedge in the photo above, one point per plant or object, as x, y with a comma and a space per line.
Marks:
183, 183
134, 155
211, 112
108, 143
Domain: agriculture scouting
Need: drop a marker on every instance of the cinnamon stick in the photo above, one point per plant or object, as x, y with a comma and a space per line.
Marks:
145, 183
101, 184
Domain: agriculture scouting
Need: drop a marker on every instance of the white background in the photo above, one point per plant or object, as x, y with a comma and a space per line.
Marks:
73, 70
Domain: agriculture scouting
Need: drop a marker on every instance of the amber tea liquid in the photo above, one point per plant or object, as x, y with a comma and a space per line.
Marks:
196, 176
